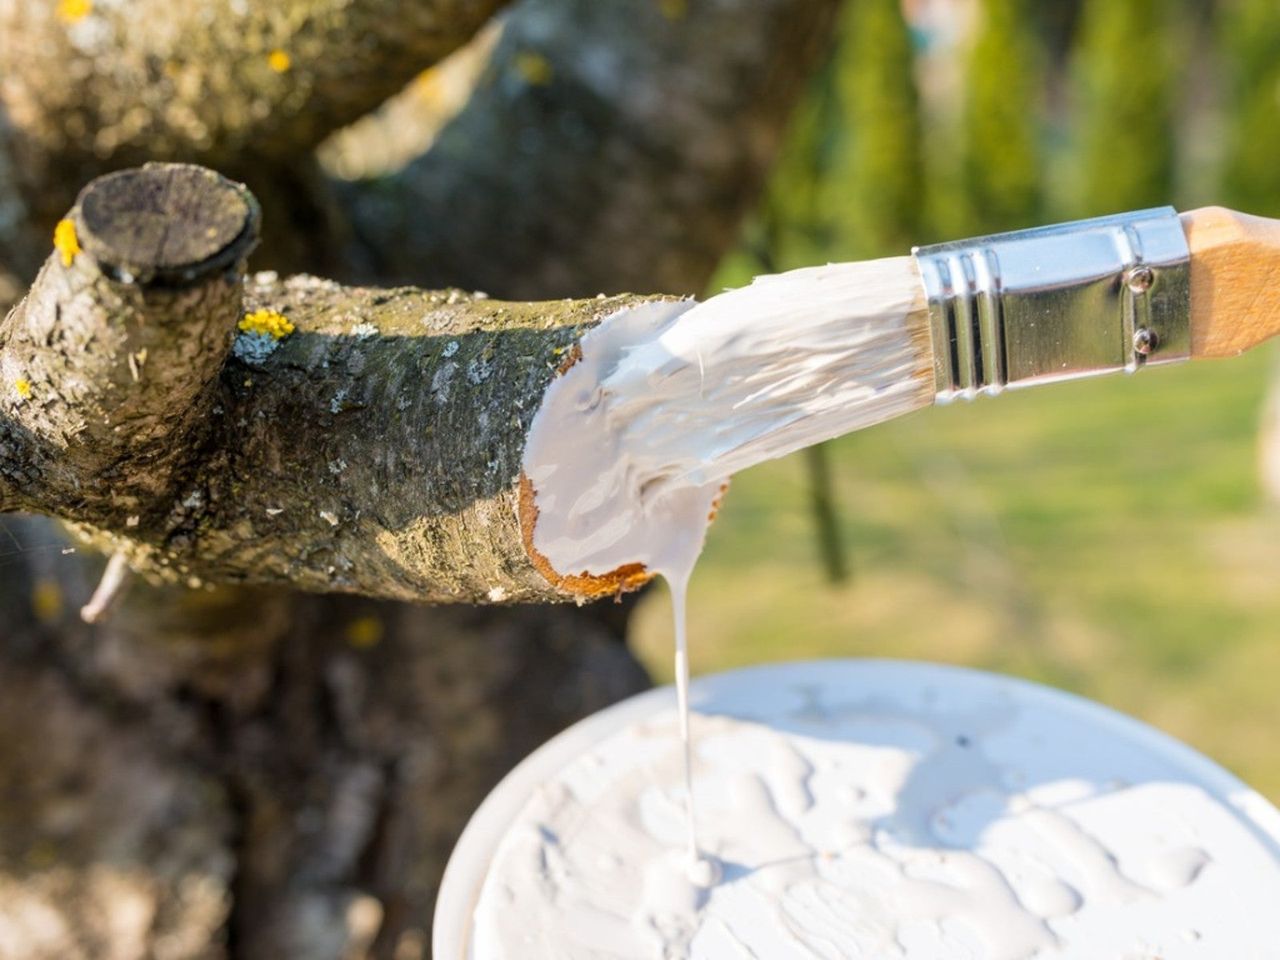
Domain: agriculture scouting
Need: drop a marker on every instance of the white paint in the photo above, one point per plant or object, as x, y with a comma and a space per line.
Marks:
864, 809
839, 817
679, 613
631, 446
759, 372
593, 513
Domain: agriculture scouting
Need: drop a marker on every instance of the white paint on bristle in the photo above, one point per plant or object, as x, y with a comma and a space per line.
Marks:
771, 368
630, 447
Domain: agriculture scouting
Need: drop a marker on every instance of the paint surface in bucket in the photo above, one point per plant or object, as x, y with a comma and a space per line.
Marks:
873, 809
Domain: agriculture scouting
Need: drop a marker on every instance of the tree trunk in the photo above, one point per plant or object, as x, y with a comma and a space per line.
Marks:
257, 773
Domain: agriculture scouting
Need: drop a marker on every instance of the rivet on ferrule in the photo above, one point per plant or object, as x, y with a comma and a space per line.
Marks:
1056, 303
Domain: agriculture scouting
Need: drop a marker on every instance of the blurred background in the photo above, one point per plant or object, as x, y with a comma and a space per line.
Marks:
1118, 537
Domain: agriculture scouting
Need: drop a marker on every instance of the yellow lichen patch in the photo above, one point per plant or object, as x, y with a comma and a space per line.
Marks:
279, 61
73, 11
46, 600
65, 241
364, 632
275, 325
674, 9
534, 68
23, 388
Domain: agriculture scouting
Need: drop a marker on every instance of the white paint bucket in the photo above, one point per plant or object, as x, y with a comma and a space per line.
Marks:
868, 809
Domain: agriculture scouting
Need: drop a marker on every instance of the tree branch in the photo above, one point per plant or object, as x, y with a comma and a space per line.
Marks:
110, 363
89, 85
355, 440
608, 146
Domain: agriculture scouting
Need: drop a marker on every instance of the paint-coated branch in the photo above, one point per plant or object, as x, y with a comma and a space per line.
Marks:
325, 437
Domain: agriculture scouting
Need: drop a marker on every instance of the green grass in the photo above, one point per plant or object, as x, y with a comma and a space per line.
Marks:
1105, 536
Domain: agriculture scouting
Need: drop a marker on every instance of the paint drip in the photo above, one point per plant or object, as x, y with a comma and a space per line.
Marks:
846, 830
632, 446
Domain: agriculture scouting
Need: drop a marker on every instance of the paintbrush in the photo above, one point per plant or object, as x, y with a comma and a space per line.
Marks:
670, 401
804, 356
1095, 296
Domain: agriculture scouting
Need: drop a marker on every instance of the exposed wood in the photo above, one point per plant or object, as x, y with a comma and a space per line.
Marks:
1235, 280
166, 223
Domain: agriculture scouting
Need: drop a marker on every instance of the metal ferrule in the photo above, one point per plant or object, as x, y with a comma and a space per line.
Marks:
1057, 303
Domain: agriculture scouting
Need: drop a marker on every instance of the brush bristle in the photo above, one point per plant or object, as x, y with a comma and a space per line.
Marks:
782, 364
631, 446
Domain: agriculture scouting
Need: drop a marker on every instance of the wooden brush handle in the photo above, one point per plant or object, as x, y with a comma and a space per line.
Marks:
1235, 280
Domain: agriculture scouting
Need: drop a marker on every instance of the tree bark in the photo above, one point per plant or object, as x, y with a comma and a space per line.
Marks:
92, 86
257, 773
110, 362
369, 444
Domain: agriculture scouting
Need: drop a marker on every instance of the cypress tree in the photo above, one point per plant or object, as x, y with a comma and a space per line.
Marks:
1249, 38
1000, 175
1124, 116
796, 227
849, 181
880, 176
